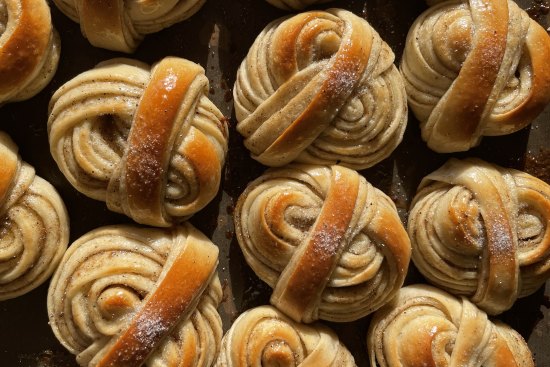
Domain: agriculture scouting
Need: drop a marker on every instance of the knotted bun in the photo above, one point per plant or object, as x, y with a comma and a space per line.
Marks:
34, 227
129, 296
482, 231
424, 326
120, 25
148, 142
330, 245
263, 336
320, 87
475, 68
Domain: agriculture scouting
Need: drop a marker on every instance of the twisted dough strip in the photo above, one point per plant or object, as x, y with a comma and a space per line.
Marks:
34, 230
475, 68
29, 49
263, 336
320, 87
120, 25
150, 144
128, 296
331, 245
423, 326
295, 4
482, 231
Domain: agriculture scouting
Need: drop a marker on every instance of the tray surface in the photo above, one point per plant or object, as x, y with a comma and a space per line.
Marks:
218, 37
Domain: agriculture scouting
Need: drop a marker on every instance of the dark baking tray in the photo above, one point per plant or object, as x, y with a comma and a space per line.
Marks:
218, 37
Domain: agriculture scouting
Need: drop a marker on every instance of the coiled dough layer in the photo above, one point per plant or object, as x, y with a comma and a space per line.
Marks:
330, 245
320, 87
148, 142
130, 296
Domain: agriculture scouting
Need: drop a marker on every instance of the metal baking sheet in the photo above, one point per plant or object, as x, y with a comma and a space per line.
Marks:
218, 37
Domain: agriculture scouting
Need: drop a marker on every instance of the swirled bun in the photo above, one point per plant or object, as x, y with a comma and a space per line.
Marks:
263, 336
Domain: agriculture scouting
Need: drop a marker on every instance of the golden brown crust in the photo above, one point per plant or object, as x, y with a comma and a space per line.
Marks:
461, 116
329, 244
8, 168
341, 79
475, 68
153, 134
305, 277
538, 48
26, 46
102, 22
20, 54
202, 154
385, 229
480, 230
